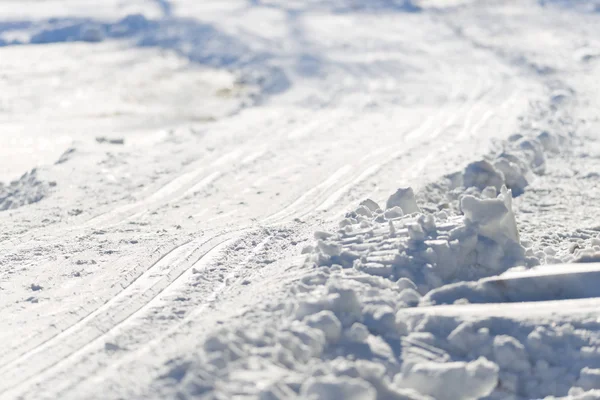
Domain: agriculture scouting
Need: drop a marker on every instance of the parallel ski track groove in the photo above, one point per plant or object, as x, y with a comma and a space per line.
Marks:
294, 209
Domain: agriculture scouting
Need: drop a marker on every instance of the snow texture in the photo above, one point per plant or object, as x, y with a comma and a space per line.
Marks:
26, 190
166, 263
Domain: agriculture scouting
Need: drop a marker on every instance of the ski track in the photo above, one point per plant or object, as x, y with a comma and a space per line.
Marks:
38, 359
326, 194
150, 278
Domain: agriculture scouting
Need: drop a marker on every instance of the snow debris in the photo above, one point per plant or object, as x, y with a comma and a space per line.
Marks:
532, 359
404, 198
26, 190
482, 174
515, 165
509, 353
424, 249
589, 378
451, 381
371, 205
327, 322
102, 139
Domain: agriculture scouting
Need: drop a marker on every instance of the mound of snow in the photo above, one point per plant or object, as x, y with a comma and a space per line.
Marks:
25, 190
514, 165
427, 250
404, 198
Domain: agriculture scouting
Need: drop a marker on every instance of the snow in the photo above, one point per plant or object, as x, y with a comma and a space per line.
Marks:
538, 284
456, 380
26, 190
299, 199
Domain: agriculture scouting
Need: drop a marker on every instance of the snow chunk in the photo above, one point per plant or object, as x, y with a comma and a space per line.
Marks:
357, 332
393, 213
509, 353
493, 218
405, 199
589, 378
327, 322
514, 175
481, 174
534, 151
370, 204
409, 297
450, 381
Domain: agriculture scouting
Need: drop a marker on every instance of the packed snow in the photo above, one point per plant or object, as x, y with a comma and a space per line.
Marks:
299, 199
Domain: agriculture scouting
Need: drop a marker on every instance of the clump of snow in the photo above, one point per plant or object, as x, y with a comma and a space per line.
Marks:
427, 250
451, 381
589, 378
482, 174
534, 358
514, 165
23, 191
493, 218
404, 198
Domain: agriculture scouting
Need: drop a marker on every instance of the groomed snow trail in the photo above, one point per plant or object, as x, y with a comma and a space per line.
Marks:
169, 250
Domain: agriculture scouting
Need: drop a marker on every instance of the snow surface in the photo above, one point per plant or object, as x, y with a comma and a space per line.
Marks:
299, 199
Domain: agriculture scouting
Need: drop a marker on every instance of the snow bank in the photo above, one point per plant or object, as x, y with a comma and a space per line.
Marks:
25, 190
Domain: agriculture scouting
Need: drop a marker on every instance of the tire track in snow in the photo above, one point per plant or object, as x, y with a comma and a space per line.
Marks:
183, 181
166, 193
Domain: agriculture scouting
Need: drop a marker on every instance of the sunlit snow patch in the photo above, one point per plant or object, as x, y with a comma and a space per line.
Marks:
555, 282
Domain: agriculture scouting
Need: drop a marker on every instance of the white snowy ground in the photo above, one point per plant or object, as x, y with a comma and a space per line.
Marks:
186, 152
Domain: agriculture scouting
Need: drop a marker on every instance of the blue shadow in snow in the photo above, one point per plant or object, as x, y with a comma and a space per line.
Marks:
347, 6
199, 42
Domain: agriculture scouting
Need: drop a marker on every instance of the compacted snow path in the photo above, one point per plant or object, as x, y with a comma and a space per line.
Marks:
186, 153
